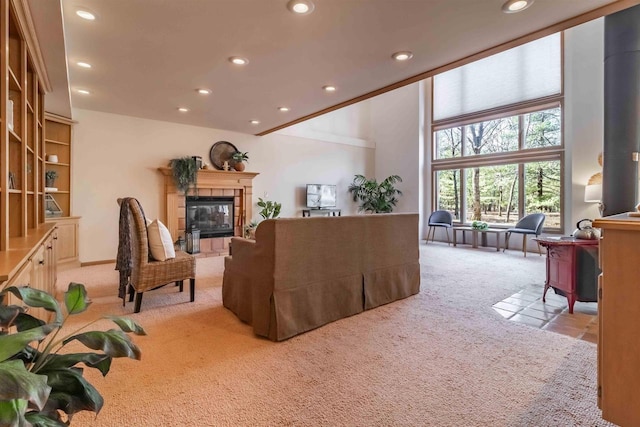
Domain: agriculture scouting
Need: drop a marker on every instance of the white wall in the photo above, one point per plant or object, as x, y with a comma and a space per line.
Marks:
583, 115
116, 156
395, 129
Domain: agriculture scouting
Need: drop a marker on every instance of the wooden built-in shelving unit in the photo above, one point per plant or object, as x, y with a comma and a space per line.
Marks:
27, 244
58, 140
22, 161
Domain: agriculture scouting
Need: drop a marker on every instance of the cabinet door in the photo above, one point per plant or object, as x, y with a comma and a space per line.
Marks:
23, 278
67, 246
50, 262
37, 280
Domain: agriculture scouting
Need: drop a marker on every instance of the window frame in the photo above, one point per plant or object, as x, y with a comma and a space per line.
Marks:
520, 157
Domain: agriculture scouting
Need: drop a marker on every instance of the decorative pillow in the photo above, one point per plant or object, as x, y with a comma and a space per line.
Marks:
160, 243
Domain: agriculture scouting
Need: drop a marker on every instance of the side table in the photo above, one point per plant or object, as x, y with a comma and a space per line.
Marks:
572, 268
321, 211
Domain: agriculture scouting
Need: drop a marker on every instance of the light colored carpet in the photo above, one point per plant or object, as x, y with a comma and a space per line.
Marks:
440, 358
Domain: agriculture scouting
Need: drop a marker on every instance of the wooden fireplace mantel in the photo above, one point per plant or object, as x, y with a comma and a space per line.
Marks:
210, 182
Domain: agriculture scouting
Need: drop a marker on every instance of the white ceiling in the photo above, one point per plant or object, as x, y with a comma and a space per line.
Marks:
149, 56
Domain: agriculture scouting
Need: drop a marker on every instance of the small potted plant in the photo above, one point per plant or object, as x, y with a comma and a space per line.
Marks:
185, 173
269, 209
50, 178
238, 158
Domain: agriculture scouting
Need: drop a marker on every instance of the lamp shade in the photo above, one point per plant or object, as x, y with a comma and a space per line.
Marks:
593, 193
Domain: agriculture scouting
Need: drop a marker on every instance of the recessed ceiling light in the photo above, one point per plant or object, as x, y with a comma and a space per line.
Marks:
183, 109
83, 64
204, 91
329, 88
86, 15
254, 122
84, 91
402, 56
301, 7
513, 6
238, 60
283, 109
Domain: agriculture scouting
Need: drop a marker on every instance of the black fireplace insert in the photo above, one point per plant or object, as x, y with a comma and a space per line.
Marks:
212, 215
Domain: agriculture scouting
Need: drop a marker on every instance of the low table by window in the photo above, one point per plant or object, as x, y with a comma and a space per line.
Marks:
321, 212
474, 232
572, 268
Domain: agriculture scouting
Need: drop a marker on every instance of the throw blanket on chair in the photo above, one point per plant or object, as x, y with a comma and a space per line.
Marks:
124, 262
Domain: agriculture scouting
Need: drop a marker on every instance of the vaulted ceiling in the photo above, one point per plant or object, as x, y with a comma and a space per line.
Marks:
148, 57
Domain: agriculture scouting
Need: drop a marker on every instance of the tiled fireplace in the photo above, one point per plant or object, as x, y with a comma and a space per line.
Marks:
223, 205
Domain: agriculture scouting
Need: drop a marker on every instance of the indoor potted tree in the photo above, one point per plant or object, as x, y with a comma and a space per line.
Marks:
375, 197
238, 158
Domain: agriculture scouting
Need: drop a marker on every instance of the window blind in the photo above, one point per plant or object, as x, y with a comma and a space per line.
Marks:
524, 73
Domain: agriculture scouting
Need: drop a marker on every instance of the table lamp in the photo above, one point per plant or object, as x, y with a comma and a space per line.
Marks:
593, 191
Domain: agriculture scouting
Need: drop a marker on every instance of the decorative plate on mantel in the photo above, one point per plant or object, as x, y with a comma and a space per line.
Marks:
221, 152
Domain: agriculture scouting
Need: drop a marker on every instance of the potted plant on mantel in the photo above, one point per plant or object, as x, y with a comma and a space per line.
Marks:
238, 158
185, 173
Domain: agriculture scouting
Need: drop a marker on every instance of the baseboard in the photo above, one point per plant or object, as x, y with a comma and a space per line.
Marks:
68, 265
90, 263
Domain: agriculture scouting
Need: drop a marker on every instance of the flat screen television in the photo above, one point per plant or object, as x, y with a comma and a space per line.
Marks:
321, 196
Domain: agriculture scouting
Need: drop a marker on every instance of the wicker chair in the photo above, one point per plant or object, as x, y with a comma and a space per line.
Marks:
148, 274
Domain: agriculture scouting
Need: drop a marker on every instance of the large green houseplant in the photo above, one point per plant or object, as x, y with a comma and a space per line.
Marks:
373, 196
39, 386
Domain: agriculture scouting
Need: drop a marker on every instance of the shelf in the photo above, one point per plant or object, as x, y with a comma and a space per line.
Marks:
57, 163
14, 84
57, 192
30, 192
15, 136
55, 142
30, 108
14, 191
29, 149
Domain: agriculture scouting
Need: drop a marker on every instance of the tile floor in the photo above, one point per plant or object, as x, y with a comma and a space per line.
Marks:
527, 307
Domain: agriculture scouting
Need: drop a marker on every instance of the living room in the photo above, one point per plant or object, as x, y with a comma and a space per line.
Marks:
117, 153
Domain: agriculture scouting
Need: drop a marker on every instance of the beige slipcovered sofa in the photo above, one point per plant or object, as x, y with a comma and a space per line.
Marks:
302, 273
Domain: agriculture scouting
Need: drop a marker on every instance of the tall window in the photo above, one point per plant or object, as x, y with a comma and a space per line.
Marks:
502, 162
502, 169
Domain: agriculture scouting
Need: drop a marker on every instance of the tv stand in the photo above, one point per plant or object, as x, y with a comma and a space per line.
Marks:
321, 211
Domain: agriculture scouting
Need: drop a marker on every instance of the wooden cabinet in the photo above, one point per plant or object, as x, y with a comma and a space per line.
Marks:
572, 268
67, 242
58, 149
36, 268
23, 83
618, 305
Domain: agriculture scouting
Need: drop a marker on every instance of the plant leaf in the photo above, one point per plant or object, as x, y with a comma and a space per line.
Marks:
101, 362
127, 324
40, 419
18, 383
113, 342
36, 298
71, 392
26, 321
14, 343
14, 315
76, 299
12, 412
8, 315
